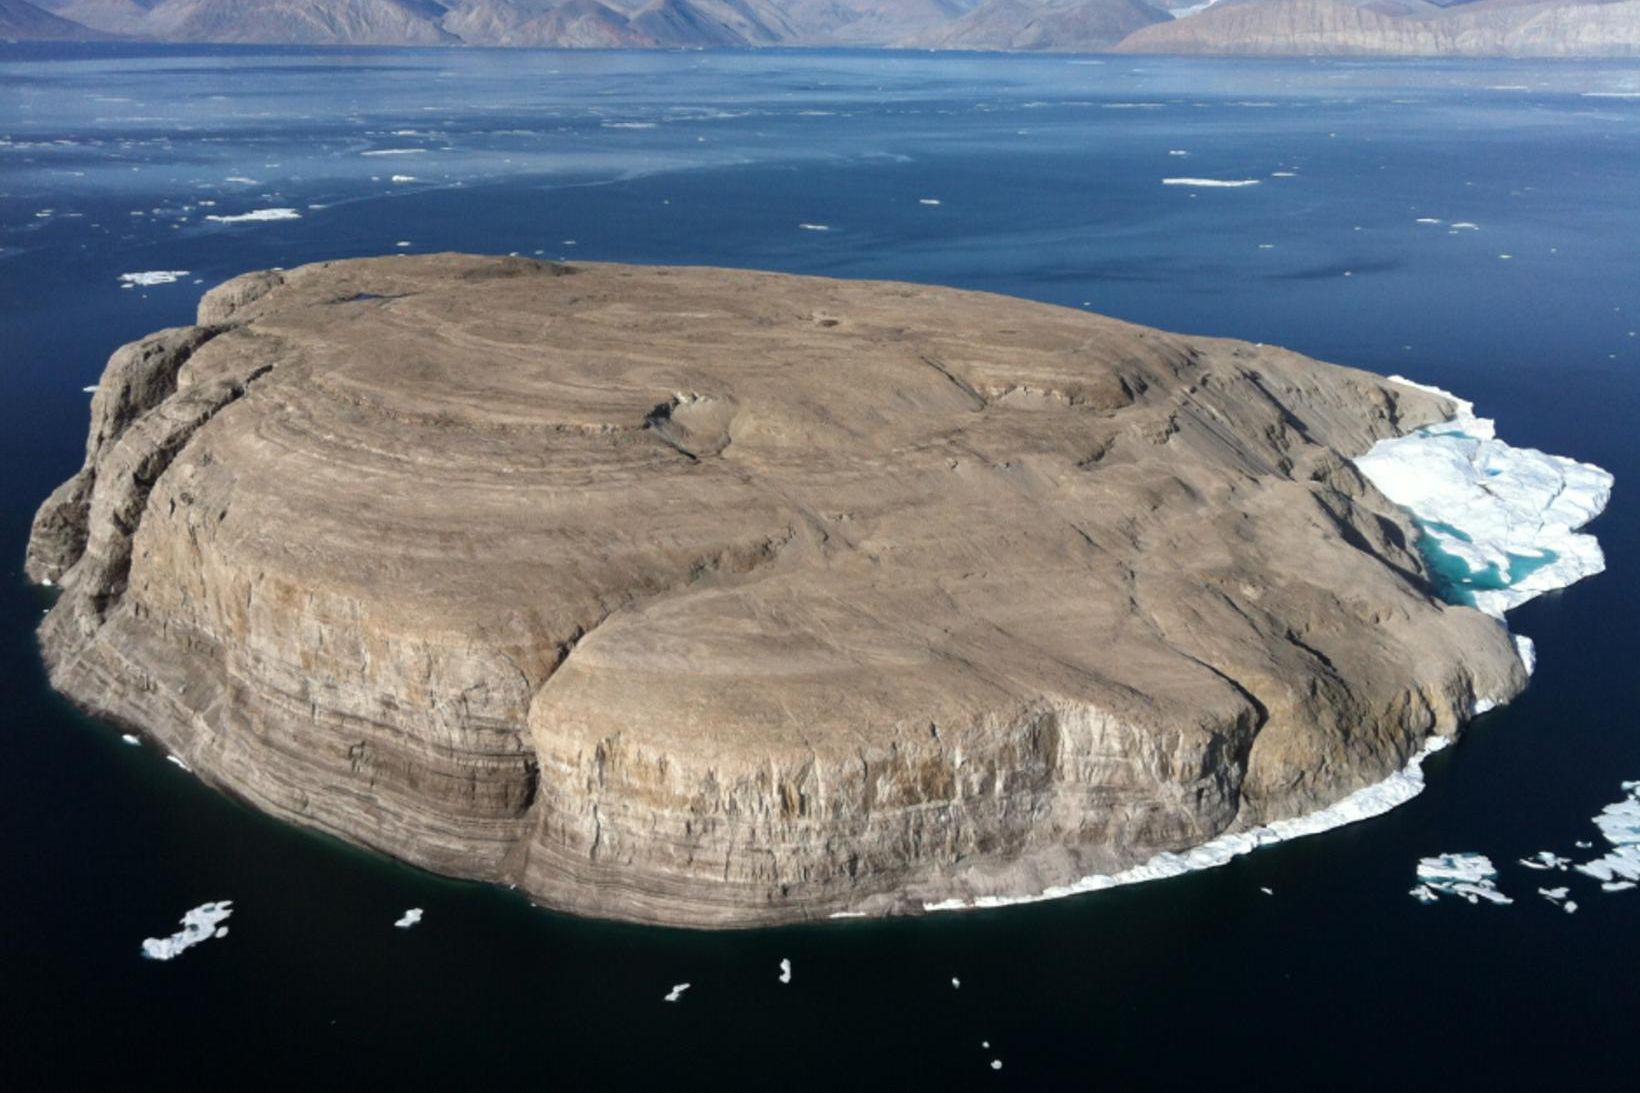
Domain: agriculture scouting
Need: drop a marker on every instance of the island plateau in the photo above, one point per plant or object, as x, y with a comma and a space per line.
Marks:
723, 598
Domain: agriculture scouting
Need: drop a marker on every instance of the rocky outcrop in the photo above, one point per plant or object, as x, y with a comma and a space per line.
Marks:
1485, 28
715, 598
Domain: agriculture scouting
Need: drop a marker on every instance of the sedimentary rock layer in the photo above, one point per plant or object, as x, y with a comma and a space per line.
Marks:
715, 597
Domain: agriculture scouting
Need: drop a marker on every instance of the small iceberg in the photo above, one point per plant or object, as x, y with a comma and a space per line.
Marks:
1499, 523
201, 924
1544, 859
785, 971
152, 277
815, 227
676, 992
132, 739
1210, 183
1467, 876
256, 214
409, 918
1557, 896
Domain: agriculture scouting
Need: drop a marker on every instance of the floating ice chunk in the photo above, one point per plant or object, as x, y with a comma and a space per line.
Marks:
928, 201
1283, 174
152, 277
394, 152
132, 739
996, 1064
1423, 893
1557, 896
1211, 183
257, 214
956, 984
676, 992
1177, 152
200, 924
1268, 891
1428, 220
1465, 226
242, 179
93, 389
1620, 824
815, 227
1499, 523
402, 243
404, 178
628, 125
785, 971
1545, 859
1364, 803
178, 761
1468, 876
409, 918
1617, 886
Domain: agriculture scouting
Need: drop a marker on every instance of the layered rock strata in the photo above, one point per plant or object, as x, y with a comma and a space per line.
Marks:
718, 598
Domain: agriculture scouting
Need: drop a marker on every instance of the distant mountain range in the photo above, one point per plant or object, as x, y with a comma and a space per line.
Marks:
1547, 28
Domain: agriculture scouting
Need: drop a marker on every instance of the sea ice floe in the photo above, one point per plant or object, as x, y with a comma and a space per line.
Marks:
200, 924
676, 992
257, 214
815, 227
1210, 183
404, 178
1499, 523
1545, 859
394, 152
1557, 896
1364, 803
153, 277
409, 918
928, 201
132, 739
1620, 824
785, 971
1468, 876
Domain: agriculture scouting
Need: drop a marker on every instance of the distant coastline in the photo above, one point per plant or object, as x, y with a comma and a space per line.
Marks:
1289, 28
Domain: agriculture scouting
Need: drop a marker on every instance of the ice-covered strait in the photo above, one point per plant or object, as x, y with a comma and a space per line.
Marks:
719, 598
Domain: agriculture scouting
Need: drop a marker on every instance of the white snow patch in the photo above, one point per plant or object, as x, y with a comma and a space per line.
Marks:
1208, 183
1364, 803
257, 214
409, 918
200, 924
1509, 515
153, 277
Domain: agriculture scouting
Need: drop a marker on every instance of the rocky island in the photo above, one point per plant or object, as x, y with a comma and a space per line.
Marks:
722, 598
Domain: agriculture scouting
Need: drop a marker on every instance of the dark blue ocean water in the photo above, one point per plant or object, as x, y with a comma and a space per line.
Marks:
1048, 176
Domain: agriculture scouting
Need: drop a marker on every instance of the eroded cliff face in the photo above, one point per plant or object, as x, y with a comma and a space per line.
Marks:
717, 598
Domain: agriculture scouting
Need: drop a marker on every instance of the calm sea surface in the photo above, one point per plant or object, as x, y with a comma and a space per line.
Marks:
1048, 177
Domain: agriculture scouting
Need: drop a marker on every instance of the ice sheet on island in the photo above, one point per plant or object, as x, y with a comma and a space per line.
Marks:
256, 214
1468, 876
1499, 523
409, 918
1363, 804
153, 277
1209, 183
200, 924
